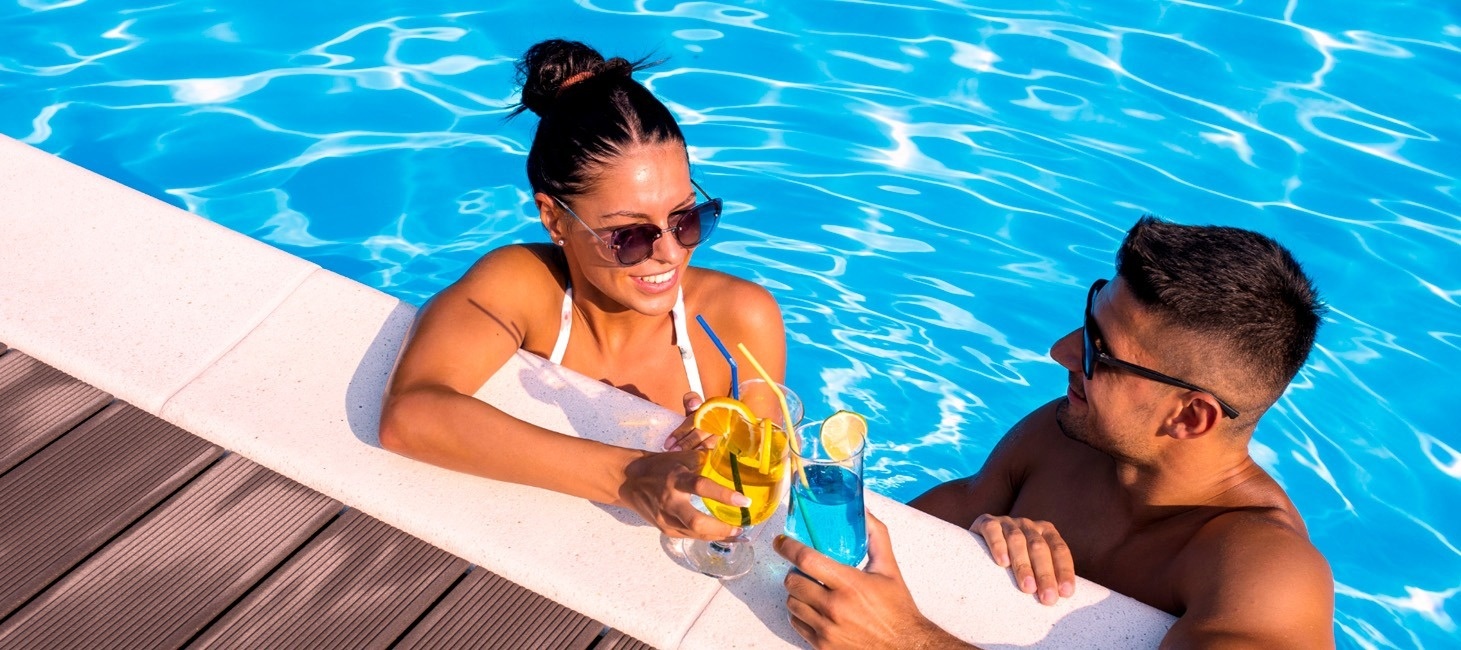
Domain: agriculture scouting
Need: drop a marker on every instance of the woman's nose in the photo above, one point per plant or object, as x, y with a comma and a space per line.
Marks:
668, 249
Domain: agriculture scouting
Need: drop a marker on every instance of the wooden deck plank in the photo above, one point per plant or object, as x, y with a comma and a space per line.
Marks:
70, 498
616, 640
180, 567
358, 584
487, 611
38, 403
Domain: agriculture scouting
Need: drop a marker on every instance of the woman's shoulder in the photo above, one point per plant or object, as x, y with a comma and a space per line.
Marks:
535, 265
716, 293
517, 279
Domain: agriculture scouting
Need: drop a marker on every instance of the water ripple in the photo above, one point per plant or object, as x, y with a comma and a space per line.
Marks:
928, 187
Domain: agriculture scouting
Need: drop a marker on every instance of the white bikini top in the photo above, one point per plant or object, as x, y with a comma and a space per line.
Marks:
682, 338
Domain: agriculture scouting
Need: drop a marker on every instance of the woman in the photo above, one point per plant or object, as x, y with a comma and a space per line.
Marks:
611, 298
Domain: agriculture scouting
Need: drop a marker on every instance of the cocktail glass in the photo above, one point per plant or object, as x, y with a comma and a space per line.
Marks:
753, 463
825, 511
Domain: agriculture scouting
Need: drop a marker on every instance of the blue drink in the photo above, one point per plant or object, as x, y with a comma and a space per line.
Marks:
827, 513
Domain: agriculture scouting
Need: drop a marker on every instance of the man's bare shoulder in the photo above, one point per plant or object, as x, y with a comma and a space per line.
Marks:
993, 489
1252, 575
1247, 537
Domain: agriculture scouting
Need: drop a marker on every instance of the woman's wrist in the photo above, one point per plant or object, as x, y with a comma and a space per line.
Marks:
620, 468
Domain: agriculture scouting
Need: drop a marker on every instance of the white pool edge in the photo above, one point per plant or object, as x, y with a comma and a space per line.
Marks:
270, 356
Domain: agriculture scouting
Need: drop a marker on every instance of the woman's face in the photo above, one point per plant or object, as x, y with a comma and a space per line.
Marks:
645, 185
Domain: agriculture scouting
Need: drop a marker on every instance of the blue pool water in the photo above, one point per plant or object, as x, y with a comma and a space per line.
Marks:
928, 187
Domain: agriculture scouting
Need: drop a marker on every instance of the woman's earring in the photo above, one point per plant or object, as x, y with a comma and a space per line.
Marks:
560, 242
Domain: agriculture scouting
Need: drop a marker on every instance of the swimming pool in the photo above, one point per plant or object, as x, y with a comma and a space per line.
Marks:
928, 188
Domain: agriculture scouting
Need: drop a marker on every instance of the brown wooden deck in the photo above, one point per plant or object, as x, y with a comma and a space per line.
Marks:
119, 530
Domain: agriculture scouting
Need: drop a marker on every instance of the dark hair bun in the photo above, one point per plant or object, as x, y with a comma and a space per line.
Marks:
546, 69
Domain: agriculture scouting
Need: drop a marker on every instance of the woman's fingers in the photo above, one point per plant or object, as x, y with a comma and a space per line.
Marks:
708, 489
692, 439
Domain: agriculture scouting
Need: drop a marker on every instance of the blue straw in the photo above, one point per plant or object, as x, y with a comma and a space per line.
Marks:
735, 378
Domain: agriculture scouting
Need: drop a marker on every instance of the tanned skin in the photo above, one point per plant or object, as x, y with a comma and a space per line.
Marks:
622, 335
1136, 485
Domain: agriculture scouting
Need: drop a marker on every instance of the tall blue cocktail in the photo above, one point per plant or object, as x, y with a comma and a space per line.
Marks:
826, 508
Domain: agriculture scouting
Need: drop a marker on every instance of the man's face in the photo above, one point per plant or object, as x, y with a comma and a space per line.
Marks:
1106, 410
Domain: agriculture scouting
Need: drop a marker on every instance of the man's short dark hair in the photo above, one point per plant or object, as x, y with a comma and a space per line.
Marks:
1235, 286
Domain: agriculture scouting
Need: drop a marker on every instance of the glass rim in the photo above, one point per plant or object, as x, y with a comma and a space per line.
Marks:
793, 401
796, 448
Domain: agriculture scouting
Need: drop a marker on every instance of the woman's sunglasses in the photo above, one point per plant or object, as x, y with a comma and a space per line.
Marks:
1093, 354
634, 244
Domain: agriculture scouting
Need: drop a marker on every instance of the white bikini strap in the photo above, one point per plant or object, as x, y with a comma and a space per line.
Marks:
565, 323
682, 338
682, 341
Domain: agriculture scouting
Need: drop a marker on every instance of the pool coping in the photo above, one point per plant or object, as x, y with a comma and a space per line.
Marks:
272, 356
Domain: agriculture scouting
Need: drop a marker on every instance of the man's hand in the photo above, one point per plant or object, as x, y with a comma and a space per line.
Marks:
1034, 550
841, 607
686, 436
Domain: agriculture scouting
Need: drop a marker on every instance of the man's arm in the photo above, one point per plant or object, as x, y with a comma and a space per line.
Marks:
1250, 582
1033, 550
994, 488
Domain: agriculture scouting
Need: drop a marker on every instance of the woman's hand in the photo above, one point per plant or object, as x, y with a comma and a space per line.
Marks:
658, 487
686, 436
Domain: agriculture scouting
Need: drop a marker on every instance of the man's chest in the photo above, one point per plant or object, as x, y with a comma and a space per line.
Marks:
1103, 545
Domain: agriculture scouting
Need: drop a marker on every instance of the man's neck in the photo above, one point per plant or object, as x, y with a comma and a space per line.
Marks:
1183, 479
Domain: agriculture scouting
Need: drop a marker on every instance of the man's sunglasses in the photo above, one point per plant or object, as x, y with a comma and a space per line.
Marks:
634, 244
1093, 354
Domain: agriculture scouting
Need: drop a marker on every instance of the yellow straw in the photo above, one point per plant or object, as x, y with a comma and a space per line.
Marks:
780, 397
767, 428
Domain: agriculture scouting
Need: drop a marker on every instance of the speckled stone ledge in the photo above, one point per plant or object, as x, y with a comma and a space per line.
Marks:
271, 356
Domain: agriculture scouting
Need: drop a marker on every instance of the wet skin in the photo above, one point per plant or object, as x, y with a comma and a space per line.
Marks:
622, 335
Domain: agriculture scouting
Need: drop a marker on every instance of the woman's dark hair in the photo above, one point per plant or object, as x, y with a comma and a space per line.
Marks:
1234, 286
591, 111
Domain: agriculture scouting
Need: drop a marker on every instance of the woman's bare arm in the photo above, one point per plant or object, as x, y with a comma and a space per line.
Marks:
464, 335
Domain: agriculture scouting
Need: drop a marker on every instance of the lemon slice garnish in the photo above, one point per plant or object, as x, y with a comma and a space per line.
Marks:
843, 435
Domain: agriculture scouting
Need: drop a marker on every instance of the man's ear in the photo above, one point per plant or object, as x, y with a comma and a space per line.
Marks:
552, 217
1199, 416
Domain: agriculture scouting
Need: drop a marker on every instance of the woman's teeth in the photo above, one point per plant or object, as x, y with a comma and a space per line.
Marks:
659, 279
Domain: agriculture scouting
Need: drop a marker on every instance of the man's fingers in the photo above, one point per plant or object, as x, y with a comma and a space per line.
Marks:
1064, 564
1042, 566
1019, 553
803, 588
880, 548
819, 567
993, 533
806, 631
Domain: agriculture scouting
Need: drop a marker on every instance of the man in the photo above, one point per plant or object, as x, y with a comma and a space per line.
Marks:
1135, 479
